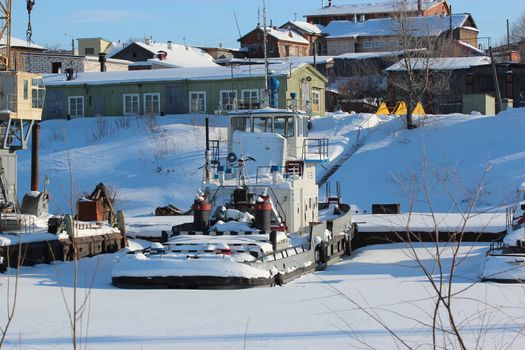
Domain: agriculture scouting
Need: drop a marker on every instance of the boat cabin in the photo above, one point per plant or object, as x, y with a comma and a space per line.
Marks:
291, 126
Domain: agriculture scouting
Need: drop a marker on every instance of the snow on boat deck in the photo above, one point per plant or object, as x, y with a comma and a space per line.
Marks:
427, 222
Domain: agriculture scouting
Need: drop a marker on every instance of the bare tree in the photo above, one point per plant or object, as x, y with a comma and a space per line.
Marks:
11, 290
517, 32
438, 256
416, 77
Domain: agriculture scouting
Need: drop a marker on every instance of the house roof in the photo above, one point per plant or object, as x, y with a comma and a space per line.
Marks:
368, 55
281, 35
419, 26
15, 42
442, 63
286, 35
367, 8
307, 27
160, 75
178, 56
298, 60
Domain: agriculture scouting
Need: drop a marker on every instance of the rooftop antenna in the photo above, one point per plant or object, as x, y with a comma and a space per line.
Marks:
295, 16
237, 23
266, 73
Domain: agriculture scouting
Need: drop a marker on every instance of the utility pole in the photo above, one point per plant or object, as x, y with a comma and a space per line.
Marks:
508, 41
496, 83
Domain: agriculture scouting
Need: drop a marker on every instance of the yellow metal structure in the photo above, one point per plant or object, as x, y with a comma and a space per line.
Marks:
400, 108
419, 110
383, 109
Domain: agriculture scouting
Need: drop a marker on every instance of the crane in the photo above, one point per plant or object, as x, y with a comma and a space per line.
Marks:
21, 102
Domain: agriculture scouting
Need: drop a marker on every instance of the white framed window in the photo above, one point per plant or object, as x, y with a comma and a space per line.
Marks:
152, 103
38, 92
131, 104
197, 101
228, 99
316, 100
250, 98
75, 106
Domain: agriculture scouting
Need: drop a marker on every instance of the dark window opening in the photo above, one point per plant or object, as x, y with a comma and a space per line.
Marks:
56, 67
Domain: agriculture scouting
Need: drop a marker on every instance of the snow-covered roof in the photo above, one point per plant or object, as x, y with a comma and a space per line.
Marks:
443, 63
419, 26
180, 56
115, 47
158, 75
366, 8
367, 55
470, 47
21, 43
297, 60
286, 35
307, 27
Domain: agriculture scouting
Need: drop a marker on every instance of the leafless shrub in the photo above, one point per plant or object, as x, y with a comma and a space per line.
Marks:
149, 123
438, 256
103, 129
122, 122
11, 291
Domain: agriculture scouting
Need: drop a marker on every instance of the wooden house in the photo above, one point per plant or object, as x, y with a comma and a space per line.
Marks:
202, 90
377, 35
310, 32
386, 9
280, 43
468, 76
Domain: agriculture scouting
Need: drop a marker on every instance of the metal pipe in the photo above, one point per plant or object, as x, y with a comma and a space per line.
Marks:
34, 157
207, 156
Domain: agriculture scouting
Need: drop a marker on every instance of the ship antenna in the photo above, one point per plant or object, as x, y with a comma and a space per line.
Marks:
265, 49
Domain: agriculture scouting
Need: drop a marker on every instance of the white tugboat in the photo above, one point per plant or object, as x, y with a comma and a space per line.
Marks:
257, 221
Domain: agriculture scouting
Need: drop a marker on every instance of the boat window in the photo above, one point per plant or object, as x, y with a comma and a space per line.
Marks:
262, 124
241, 124
284, 126
290, 127
279, 126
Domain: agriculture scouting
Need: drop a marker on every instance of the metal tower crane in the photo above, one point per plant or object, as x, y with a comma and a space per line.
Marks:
21, 102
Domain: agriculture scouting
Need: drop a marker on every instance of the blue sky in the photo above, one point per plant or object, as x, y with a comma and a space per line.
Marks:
201, 22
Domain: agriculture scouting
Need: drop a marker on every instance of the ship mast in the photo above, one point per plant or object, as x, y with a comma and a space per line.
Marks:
266, 73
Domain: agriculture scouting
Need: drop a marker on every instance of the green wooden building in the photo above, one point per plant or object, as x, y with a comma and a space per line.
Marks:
208, 90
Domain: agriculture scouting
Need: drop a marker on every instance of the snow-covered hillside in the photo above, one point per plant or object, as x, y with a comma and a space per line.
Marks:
155, 161
452, 157
350, 305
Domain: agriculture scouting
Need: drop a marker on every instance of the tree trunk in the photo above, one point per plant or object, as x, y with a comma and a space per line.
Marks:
410, 120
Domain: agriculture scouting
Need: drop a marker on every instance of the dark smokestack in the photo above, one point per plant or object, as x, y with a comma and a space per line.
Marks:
34, 157
329, 3
102, 60
419, 8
